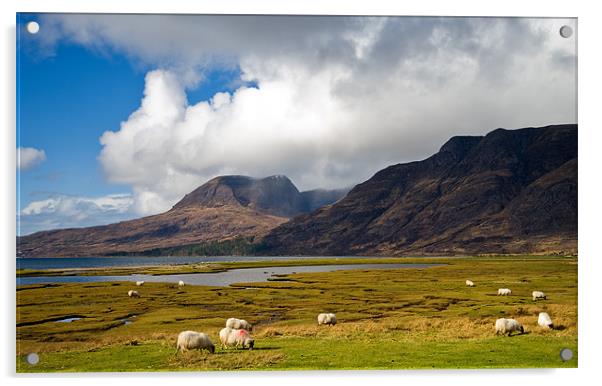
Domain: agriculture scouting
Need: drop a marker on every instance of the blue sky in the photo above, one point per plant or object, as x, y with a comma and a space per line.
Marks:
67, 99
119, 119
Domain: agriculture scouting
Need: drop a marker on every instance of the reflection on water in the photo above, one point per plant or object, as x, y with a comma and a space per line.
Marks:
246, 275
67, 320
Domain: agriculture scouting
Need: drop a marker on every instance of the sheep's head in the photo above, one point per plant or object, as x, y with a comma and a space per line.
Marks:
212, 349
251, 344
522, 329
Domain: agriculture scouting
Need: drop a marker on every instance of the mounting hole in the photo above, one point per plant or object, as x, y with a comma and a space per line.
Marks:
566, 31
32, 358
32, 27
566, 354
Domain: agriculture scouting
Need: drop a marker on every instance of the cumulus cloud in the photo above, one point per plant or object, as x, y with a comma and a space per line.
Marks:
336, 98
61, 211
29, 157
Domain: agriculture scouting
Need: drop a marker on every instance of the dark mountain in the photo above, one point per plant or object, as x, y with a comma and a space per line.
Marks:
224, 209
314, 199
511, 191
275, 195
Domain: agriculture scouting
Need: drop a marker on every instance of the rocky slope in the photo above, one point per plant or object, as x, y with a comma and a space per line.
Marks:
511, 191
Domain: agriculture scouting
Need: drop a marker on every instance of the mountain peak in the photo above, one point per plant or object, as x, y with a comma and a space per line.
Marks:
225, 208
275, 195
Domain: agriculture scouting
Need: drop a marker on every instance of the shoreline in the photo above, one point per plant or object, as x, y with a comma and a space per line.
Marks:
215, 267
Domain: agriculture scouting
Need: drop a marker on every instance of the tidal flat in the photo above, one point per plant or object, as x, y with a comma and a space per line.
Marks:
407, 318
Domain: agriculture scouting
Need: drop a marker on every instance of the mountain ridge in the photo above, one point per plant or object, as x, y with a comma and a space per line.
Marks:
223, 209
453, 202
507, 192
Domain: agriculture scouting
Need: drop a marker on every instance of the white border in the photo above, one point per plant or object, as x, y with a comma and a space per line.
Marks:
589, 175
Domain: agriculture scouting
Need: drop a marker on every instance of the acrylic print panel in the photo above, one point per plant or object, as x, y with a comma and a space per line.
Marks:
213, 192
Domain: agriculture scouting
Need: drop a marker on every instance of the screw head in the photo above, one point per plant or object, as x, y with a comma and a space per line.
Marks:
566, 354
566, 31
32, 358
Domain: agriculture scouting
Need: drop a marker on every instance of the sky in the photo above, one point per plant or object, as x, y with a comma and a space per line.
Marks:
119, 116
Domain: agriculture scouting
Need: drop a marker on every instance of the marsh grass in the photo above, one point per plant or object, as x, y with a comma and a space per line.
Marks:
388, 319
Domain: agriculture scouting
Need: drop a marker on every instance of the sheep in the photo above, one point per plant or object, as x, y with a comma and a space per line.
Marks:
235, 337
329, 319
133, 294
544, 320
538, 295
469, 283
223, 335
190, 340
140, 282
508, 326
181, 283
238, 324
504, 292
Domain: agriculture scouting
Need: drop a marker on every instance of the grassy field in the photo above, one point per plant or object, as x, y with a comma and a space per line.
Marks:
388, 319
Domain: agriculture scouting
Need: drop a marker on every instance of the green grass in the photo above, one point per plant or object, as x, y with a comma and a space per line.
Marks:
388, 319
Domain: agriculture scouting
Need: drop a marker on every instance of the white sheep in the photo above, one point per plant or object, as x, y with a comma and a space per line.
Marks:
239, 324
538, 295
508, 326
140, 282
544, 320
223, 335
330, 319
181, 283
504, 292
133, 294
191, 340
469, 283
230, 337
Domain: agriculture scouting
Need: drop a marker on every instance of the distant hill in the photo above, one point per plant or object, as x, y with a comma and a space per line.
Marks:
275, 195
511, 191
227, 208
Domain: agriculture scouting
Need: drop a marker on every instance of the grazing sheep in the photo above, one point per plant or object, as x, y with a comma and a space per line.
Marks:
538, 295
230, 337
133, 294
544, 320
190, 340
223, 335
139, 283
330, 319
239, 324
508, 326
504, 292
469, 283
181, 283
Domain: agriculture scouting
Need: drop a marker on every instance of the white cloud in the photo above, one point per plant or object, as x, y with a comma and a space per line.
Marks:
61, 211
336, 99
29, 157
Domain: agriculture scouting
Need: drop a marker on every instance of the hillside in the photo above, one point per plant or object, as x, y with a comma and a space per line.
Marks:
511, 191
224, 208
